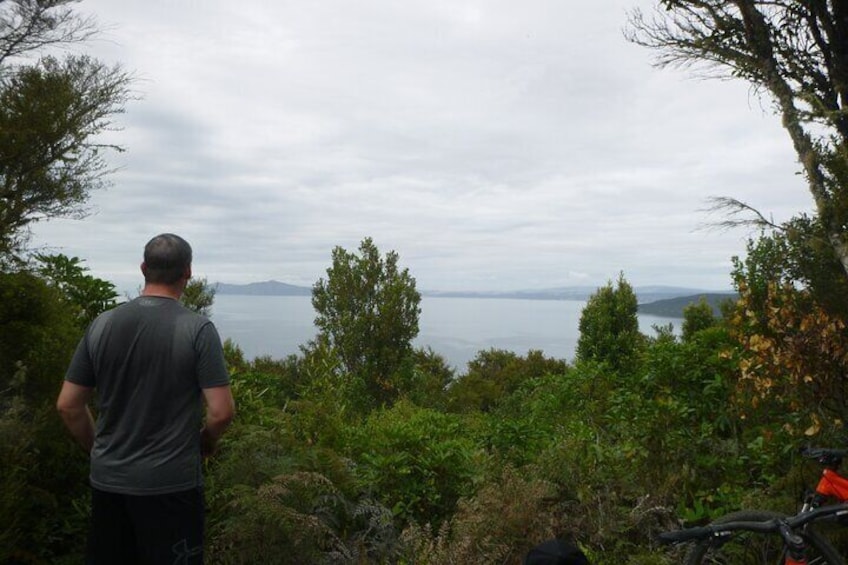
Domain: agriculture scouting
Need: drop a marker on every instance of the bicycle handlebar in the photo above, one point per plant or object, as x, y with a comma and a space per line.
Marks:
825, 455
764, 527
717, 530
689, 534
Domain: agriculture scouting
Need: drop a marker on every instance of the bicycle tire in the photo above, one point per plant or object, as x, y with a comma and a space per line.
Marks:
749, 548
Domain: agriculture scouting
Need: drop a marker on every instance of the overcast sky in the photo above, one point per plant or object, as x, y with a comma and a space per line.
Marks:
495, 145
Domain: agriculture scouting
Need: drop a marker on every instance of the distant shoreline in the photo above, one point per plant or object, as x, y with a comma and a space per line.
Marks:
664, 301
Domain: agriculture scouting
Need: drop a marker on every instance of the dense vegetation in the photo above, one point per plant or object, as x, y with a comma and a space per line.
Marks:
363, 449
427, 466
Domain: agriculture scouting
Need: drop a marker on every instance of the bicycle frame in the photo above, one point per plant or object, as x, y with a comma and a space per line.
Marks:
832, 484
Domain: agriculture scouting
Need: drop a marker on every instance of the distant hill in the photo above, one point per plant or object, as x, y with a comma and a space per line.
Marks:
644, 294
267, 288
653, 298
673, 307
567, 293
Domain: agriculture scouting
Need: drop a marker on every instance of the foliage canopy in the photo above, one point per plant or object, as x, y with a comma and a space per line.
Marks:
52, 112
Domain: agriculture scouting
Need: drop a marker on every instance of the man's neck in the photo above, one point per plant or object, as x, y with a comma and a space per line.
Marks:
163, 290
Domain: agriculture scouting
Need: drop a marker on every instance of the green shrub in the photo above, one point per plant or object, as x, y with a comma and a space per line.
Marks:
499, 524
415, 460
301, 518
43, 487
495, 374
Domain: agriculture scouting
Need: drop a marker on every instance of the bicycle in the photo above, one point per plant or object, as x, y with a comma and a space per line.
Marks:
759, 537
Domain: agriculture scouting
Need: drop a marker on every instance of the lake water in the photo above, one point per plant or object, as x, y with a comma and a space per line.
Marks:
456, 328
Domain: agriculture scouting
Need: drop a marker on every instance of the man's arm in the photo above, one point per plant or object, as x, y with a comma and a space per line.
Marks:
72, 405
220, 410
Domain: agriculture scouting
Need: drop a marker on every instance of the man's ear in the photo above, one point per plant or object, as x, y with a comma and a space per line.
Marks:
144, 268
187, 273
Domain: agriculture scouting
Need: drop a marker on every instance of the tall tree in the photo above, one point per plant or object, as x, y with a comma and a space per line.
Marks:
199, 296
52, 111
796, 51
368, 312
609, 327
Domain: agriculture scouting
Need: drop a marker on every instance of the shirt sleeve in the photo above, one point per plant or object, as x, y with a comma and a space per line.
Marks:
81, 370
211, 367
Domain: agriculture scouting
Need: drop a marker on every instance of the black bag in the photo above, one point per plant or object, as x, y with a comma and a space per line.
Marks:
556, 552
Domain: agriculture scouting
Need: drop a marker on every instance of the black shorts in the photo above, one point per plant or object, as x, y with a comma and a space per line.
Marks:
162, 529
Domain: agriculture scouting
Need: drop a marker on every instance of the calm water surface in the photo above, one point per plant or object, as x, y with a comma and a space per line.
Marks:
456, 328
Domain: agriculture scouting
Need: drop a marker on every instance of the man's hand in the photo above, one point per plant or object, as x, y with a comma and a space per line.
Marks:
208, 445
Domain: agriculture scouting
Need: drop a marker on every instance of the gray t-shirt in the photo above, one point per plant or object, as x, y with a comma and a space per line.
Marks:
148, 360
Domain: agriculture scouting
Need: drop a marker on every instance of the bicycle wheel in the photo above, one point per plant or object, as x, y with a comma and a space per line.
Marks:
748, 548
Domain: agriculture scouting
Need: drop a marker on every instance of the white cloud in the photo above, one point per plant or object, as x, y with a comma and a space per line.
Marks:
494, 145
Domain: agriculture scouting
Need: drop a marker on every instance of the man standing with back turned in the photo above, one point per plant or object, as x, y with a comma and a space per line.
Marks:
152, 363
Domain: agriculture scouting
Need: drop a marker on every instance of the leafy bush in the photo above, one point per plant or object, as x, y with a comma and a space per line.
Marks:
429, 376
38, 334
416, 461
88, 295
301, 518
43, 492
275, 497
499, 524
495, 374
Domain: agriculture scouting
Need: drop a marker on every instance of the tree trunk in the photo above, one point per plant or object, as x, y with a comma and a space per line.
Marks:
760, 45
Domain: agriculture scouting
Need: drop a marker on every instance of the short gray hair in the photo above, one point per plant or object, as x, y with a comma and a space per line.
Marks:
166, 258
